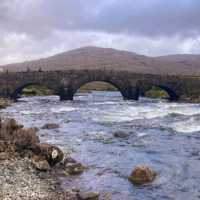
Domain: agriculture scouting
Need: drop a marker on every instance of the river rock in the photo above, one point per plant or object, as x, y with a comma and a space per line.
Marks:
50, 126
52, 153
120, 134
72, 167
87, 195
142, 174
68, 160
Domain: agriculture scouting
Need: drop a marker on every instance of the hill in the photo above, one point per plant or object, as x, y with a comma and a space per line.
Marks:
99, 58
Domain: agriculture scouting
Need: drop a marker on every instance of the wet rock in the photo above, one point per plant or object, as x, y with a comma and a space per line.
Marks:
52, 153
50, 126
72, 167
120, 134
87, 195
40, 163
142, 174
68, 160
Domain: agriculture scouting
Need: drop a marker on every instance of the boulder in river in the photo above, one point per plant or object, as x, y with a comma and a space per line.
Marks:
120, 134
51, 126
142, 174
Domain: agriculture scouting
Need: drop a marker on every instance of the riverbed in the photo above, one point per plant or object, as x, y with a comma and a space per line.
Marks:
161, 134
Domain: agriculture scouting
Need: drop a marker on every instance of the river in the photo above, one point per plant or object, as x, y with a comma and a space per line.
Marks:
163, 135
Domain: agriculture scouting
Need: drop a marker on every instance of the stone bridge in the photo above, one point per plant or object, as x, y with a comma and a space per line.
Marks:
131, 85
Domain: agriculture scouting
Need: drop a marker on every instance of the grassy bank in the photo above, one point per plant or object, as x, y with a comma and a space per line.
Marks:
156, 92
35, 90
98, 86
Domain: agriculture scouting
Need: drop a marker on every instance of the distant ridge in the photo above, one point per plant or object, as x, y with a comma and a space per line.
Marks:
108, 58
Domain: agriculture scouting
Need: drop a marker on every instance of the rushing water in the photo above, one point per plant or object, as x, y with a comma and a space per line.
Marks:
163, 135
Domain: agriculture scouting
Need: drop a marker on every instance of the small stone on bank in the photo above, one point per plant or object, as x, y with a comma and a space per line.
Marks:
3, 156
86, 195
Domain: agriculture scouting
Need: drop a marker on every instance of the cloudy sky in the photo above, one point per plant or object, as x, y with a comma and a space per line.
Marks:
31, 29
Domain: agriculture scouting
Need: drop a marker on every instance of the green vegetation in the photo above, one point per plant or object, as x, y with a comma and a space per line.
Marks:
36, 90
157, 92
98, 86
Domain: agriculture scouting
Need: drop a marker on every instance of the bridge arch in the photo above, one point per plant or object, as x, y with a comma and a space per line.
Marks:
18, 91
72, 91
173, 96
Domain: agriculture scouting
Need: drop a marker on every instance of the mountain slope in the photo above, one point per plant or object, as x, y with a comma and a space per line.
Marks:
180, 63
99, 58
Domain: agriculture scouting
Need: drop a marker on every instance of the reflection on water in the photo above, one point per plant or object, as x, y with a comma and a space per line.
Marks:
163, 135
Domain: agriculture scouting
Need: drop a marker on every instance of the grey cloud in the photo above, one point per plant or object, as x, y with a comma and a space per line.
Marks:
145, 17
31, 29
152, 18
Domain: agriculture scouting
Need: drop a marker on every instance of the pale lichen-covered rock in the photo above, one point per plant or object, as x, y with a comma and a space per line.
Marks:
52, 153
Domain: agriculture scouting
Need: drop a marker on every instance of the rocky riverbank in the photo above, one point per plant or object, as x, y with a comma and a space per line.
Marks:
31, 170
